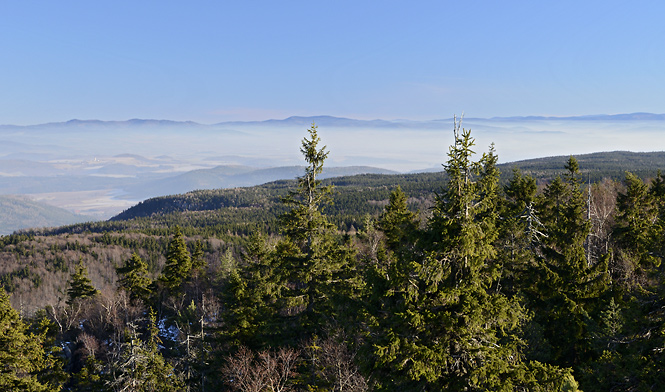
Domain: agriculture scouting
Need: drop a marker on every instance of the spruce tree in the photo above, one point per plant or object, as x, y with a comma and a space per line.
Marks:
91, 378
520, 232
567, 283
178, 266
80, 286
198, 258
305, 223
520, 228
133, 277
250, 294
637, 227
657, 190
398, 223
22, 355
313, 266
400, 234
442, 324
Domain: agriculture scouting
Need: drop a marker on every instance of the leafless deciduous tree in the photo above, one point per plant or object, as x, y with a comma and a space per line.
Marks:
602, 207
333, 363
268, 370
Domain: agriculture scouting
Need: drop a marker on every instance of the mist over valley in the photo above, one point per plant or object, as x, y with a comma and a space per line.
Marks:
100, 168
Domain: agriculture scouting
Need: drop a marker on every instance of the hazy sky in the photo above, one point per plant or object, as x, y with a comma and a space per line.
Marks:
213, 61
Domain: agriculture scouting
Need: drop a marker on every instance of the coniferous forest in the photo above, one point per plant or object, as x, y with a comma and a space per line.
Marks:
492, 282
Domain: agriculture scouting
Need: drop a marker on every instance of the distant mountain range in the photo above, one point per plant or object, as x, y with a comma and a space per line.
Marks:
333, 121
594, 117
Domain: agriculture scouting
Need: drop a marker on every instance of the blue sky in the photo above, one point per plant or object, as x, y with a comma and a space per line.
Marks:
213, 61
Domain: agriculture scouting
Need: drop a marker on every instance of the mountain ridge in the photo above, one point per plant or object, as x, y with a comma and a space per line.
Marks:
341, 121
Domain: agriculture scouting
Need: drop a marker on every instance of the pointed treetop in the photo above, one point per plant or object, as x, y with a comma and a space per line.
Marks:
80, 286
178, 266
314, 156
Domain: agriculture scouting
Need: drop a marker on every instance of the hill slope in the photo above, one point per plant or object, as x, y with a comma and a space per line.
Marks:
19, 212
376, 187
596, 166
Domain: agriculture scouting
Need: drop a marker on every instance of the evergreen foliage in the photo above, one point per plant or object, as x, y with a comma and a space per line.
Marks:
637, 221
250, 295
440, 324
520, 233
312, 268
566, 285
80, 286
178, 263
22, 356
133, 277
397, 222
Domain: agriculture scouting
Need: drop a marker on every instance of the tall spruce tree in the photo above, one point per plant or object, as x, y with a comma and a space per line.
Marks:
567, 285
442, 324
288, 290
312, 264
304, 224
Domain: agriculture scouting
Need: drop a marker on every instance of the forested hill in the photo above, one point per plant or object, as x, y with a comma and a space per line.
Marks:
19, 211
595, 166
240, 211
363, 194
350, 192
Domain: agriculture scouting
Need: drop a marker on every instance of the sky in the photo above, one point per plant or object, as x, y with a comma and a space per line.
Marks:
215, 61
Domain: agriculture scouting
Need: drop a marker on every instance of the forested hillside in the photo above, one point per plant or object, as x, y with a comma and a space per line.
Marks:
594, 167
483, 277
19, 211
354, 191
